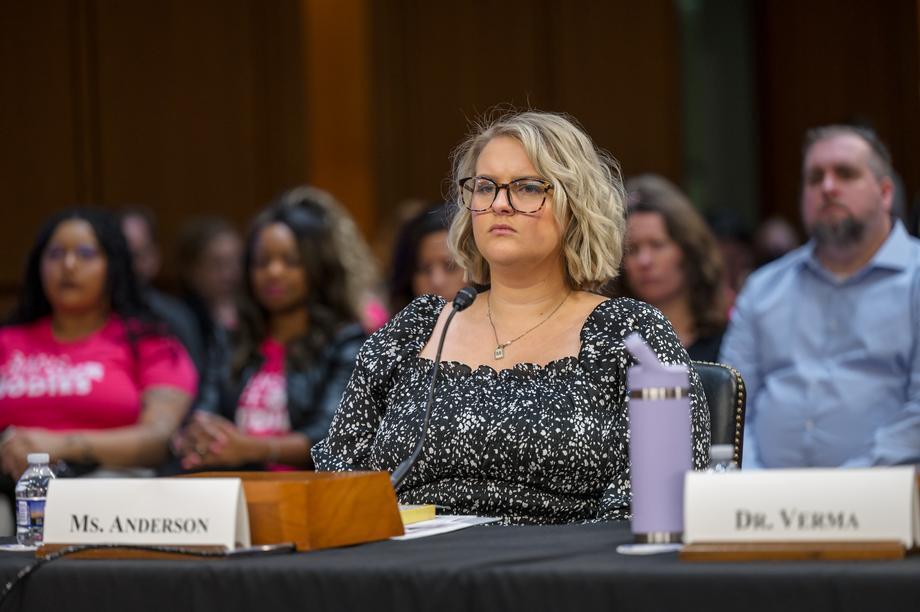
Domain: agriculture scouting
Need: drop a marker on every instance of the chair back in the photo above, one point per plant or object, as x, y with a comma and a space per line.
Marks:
726, 396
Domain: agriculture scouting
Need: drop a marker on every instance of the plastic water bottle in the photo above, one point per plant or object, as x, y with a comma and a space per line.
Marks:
721, 459
31, 493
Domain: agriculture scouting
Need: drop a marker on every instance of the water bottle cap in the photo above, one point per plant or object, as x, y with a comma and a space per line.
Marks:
649, 372
38, 458
721, 452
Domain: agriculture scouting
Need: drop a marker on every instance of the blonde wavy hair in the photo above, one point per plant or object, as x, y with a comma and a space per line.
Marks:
588, 199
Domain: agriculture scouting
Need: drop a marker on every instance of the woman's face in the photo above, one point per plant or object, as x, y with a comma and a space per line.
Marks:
435, 270
278, 277
653, 261
74, 269
507, 238
218, 271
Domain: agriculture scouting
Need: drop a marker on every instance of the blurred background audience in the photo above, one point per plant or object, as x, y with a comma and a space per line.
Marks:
672, 261
139, 226
209, 258
295, 344
774, 238
206, 138
421, 262
88, 372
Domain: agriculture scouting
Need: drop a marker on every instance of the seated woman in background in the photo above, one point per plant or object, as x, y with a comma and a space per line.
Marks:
295, 347
672, 261
210, 263
529, 420
87, 373
422, 263
361, 282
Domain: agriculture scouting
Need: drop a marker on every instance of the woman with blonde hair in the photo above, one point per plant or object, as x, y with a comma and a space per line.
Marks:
529, 418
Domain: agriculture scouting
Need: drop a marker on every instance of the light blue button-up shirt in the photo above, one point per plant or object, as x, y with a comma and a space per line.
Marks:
832, 367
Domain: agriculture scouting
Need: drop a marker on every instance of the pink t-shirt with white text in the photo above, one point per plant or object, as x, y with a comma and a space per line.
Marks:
95, 382
262, 407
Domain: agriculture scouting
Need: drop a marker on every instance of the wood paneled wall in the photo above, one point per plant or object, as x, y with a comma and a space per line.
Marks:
43, 139
612, 65
831, 61
186, 107
214, 106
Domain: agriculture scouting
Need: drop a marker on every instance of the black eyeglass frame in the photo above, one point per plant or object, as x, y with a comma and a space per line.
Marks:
547, 187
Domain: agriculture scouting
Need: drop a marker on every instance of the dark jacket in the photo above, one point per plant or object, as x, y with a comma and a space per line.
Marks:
313, 395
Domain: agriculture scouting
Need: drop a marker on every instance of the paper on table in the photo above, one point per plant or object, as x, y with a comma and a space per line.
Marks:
442, 524
647, 549
17, 548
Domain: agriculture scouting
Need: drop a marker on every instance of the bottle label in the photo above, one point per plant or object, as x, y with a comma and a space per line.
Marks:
30, 512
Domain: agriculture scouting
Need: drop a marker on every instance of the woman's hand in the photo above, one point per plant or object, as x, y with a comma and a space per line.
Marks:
211, 440
20, 441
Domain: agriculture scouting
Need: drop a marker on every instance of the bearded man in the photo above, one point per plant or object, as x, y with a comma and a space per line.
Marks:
826, 337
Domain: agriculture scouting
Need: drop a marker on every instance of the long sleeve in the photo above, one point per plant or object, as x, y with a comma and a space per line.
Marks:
898, 440
335, 377
347, 445
364, 401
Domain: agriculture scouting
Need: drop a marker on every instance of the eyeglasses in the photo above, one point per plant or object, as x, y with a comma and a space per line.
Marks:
525, 195
82, 253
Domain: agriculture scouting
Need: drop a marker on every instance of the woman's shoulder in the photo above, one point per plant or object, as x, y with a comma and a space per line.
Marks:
614, 319
414, 321
424, 307
404, 335
625, 314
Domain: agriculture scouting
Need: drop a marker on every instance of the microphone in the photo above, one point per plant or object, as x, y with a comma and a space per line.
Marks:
462, 301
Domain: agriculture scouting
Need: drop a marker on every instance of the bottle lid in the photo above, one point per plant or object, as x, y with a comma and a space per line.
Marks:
38, 458
721, 452
649, 372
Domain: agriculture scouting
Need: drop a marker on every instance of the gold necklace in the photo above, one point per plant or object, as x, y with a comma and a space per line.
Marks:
501, 346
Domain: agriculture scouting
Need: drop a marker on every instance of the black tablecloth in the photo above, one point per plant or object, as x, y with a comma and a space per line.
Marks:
570, 567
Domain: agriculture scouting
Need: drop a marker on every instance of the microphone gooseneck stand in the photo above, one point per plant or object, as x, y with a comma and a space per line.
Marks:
462, 300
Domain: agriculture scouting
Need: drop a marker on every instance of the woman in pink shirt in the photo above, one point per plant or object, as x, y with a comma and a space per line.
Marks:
87, 372
297, 340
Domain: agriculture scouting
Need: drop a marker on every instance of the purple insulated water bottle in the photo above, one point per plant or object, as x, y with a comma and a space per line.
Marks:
659, 444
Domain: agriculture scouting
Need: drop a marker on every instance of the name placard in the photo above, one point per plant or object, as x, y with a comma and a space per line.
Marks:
155, 511
802, 505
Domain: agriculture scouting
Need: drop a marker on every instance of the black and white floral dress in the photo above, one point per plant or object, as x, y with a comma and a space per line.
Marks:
529, 444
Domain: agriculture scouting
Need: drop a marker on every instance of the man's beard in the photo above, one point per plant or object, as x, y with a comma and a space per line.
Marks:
838, 234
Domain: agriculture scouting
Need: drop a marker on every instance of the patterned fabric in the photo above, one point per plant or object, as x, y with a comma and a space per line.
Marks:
529, 444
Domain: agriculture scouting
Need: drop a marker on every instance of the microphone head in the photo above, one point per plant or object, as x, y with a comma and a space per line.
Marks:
464, 298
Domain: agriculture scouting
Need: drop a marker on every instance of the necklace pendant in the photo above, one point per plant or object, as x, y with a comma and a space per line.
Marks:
499, 352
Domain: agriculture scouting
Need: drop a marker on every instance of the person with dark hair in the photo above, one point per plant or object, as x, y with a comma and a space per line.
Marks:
672, 261
422, 263
295, 346
210, 265
88, 373
828, 336
139, 225
210, 262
